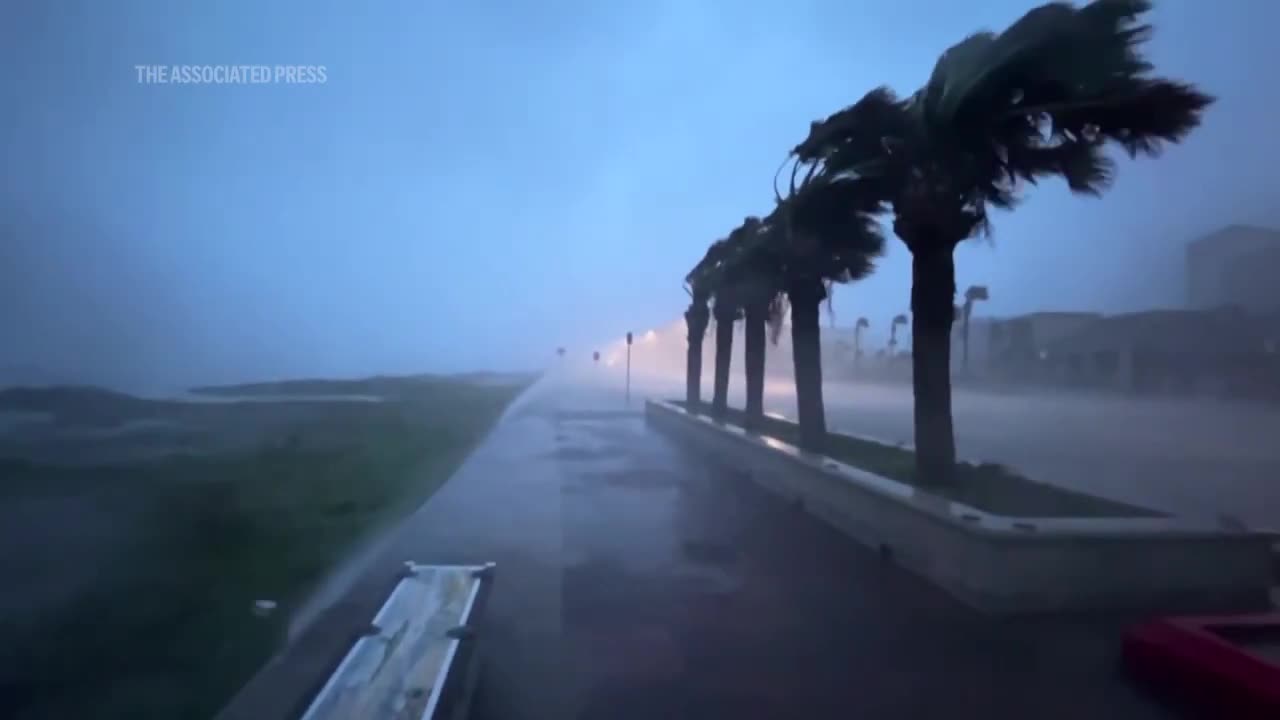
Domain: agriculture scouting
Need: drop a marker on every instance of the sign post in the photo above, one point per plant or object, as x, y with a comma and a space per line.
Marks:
628, 368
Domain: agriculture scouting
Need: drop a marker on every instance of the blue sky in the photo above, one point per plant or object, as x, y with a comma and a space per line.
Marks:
477, 183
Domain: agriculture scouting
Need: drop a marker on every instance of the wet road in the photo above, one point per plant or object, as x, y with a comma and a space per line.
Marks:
1192, 458
1201, 458
634, 581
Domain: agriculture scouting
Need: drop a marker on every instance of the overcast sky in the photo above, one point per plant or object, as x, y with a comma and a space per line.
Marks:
478, 182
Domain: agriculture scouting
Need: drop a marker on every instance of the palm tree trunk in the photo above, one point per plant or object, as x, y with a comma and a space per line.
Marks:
696, 318
756, 314
724, 356
806, 299
933, 287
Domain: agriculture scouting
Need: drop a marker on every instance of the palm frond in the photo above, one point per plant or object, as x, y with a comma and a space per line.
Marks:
700, 277
1140, 116
1084, 165
857, 129
834, 228
1043, 98
858, 142
1053, 53
1059, 75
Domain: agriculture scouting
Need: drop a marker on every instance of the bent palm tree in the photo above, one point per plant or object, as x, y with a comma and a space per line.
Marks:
726, 309
972, 295
758, 285
893, 333
744, 278
696, 318
830, 237
1042, 99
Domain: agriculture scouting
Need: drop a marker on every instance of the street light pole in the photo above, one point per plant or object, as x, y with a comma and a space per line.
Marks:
628, 368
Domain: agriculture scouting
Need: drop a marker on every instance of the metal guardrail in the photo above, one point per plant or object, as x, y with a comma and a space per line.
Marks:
418, 660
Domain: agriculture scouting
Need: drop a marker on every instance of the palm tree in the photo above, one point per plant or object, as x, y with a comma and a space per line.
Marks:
1042, 99
696, 318
830, 237
893, 332
560, 352
972, 295
758, 283
744, 278
726, 309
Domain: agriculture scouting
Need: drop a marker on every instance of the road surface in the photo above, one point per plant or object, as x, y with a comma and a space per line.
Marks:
636, 581
1204, 458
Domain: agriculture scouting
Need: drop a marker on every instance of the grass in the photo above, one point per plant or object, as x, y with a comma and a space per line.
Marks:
379, 386
169, 633
989, 487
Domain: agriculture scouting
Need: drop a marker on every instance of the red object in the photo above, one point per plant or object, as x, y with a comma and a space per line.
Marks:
1193, 659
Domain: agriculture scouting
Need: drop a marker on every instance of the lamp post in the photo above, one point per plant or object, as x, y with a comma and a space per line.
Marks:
628, 368
858, 327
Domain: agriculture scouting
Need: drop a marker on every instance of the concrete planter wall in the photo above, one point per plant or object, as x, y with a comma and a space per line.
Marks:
995, 563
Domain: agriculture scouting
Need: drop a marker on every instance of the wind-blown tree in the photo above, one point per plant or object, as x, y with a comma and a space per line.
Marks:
1044, 98
973, 294
862, 324
696, 318
745, 273
758, 263
726, 308
893, 332
830, 236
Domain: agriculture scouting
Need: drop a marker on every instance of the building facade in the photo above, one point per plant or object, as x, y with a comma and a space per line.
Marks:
1017, 347
1237, 266
1225, 351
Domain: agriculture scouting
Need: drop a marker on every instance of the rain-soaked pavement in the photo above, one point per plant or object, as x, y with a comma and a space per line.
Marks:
635, 581
1196, 458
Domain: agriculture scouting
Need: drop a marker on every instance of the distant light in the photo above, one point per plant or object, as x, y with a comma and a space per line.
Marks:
650, 336
1044, 354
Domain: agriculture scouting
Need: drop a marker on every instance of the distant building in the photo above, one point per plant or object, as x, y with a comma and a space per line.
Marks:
1159, 351
1238, 266
1017, 345
979, 344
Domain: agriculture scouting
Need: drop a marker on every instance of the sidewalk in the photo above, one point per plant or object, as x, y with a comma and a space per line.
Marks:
634, 581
